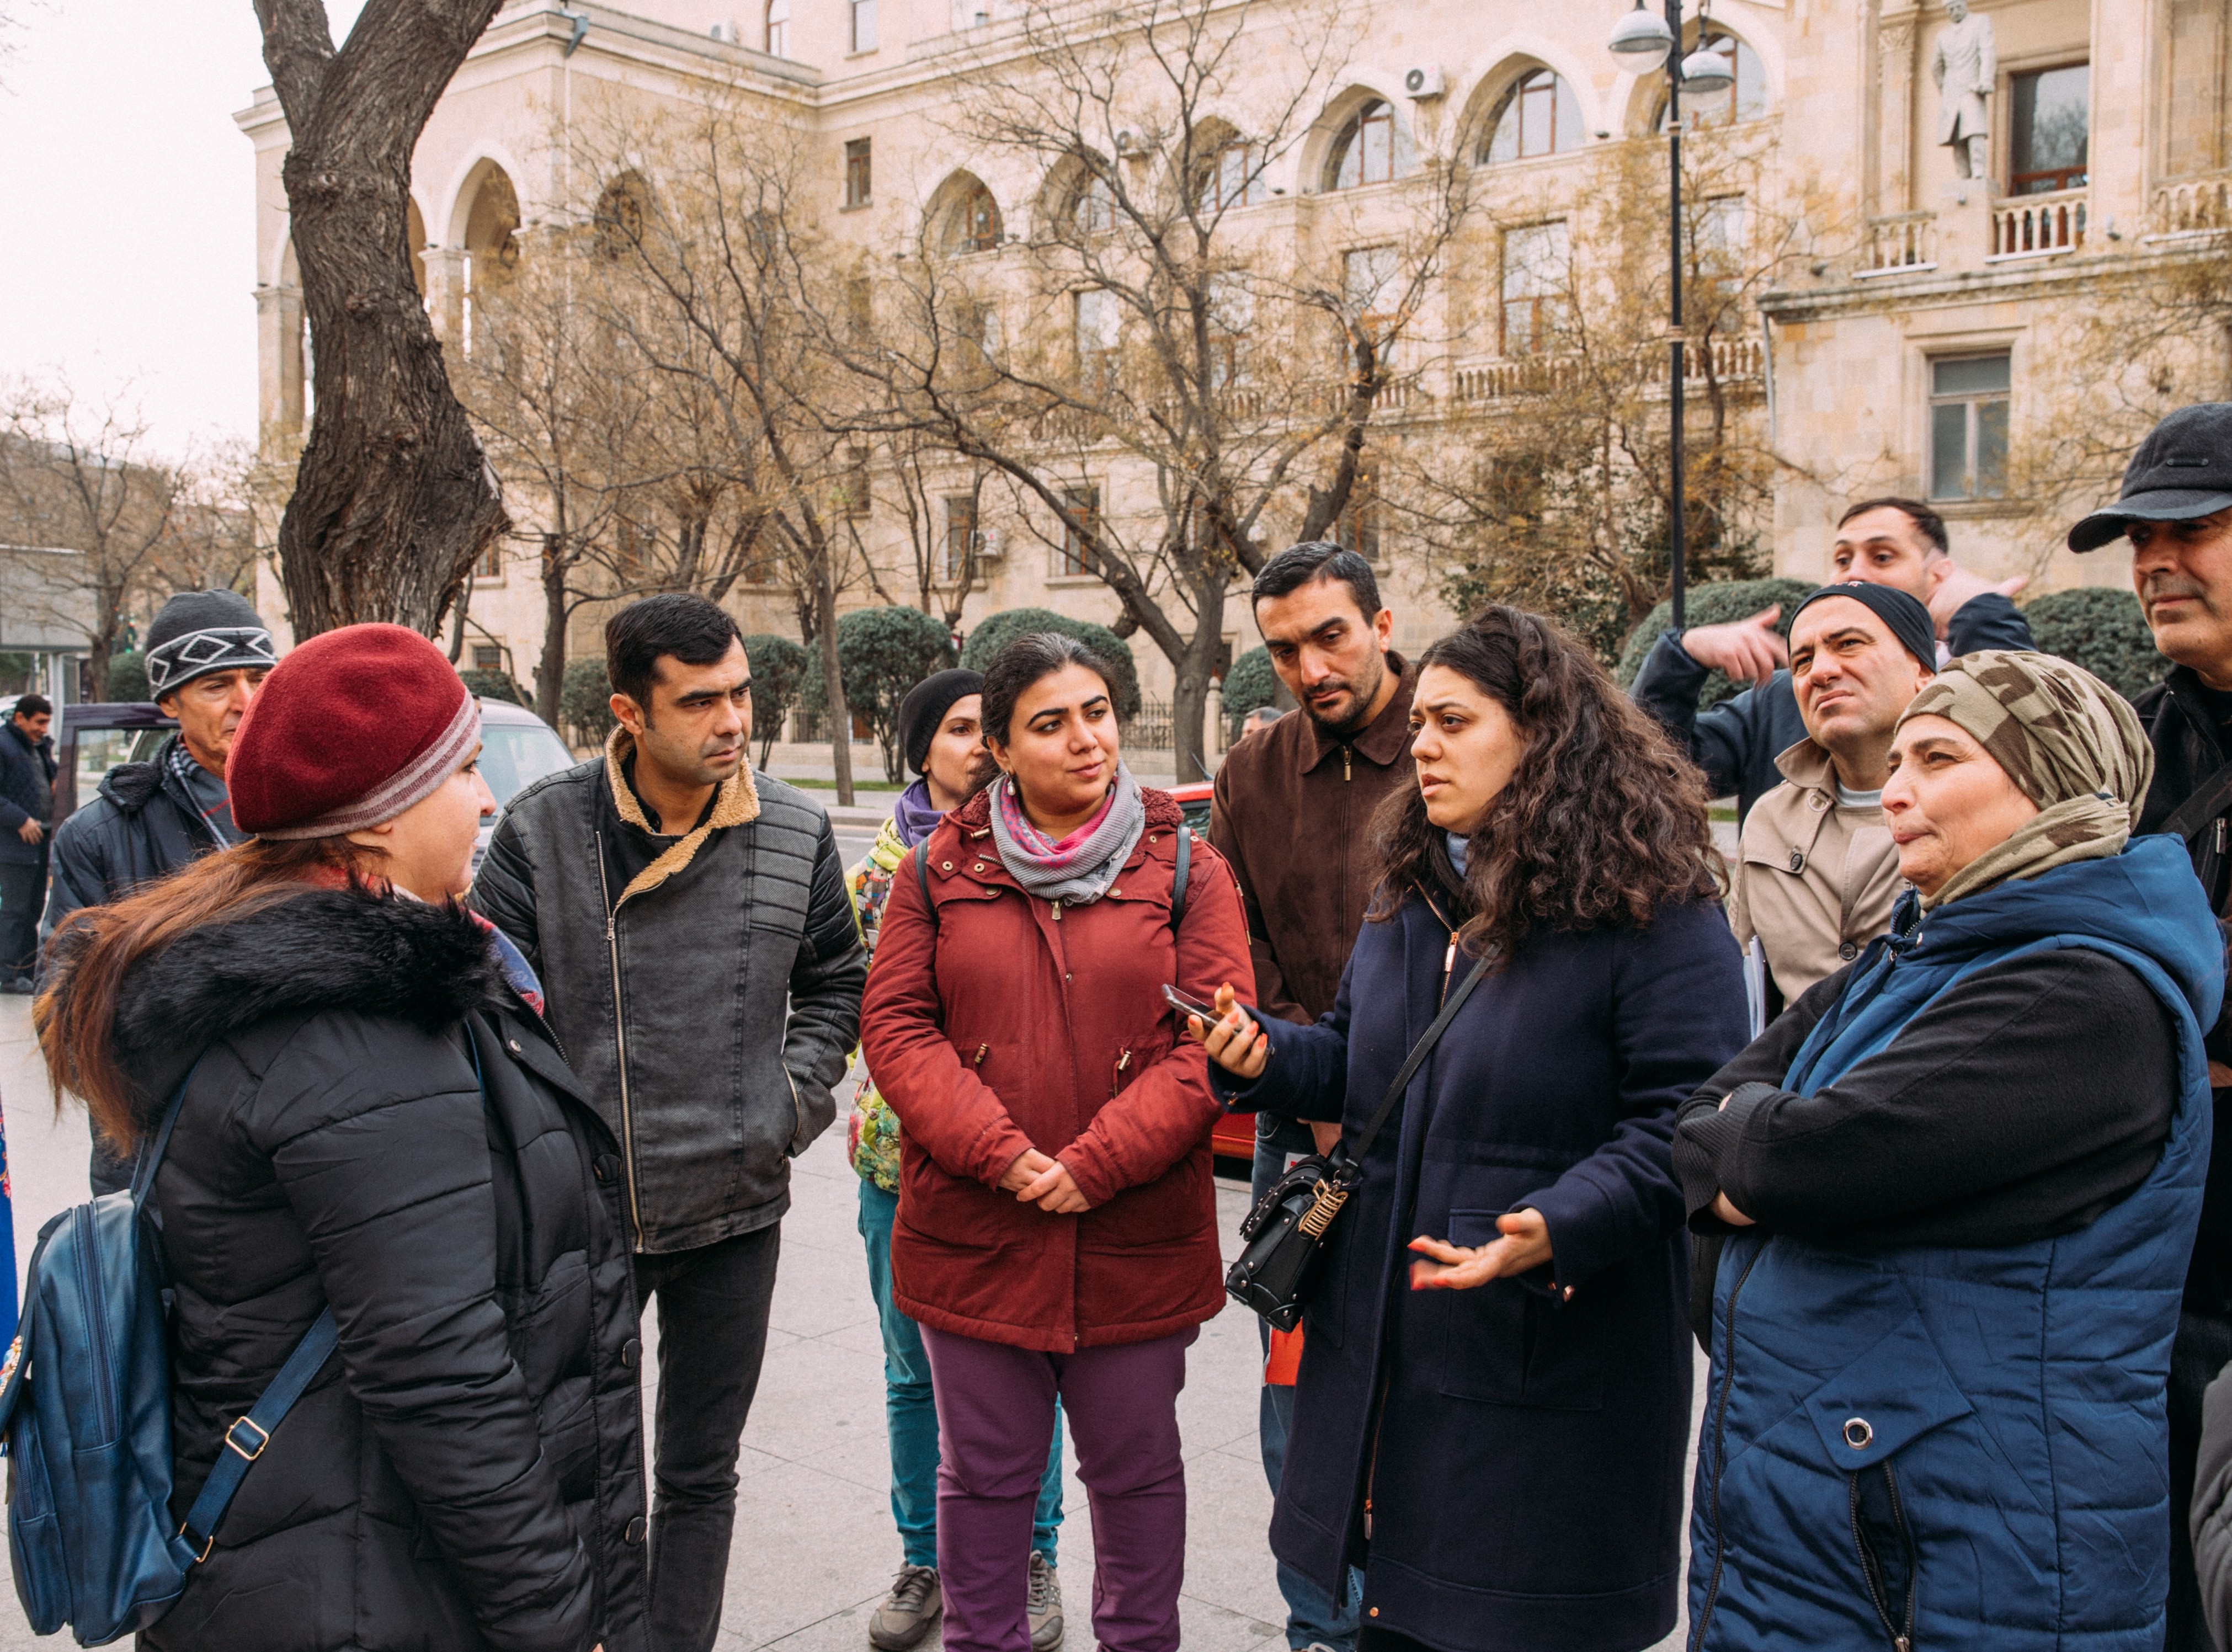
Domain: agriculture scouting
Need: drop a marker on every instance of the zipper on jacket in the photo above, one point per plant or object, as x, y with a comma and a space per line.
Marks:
983, 1050
1116, 1083
1346, 772
1721, 1456
89, 1279
1902, 1640
620, 1036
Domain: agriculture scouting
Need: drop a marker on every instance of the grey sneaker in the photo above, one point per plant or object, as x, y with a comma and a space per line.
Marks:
1043, 1605
904, 1619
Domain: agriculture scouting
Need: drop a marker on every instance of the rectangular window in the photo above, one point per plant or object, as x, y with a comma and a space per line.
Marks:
1099, 336
1084, 505
859, 309
2048, 116
1969, 427
963, 540
852, 490
860, 177
487, 657
1535, 278
1368, 286
490, 565
1718, 230
864, 25
1237, 178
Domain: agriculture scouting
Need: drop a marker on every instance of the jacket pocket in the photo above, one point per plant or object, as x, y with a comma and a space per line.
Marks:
1506, 1345
1865, 1415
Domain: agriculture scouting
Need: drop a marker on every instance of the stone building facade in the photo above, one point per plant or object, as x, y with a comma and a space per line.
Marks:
1907, 351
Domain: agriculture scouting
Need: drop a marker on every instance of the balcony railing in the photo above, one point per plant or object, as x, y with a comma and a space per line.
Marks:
1902, 241
1732, 360
2195, 206
2033, 226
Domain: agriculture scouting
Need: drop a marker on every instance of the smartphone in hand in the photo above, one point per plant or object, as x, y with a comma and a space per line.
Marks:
1186, 1004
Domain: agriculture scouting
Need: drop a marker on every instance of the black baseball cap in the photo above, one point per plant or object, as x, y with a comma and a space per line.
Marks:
2182, 470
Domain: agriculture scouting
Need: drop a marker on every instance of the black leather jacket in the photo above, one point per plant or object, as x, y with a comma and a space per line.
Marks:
710, 1002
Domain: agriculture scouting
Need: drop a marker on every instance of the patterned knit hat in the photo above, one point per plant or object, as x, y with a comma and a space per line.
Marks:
351, 729
201, 631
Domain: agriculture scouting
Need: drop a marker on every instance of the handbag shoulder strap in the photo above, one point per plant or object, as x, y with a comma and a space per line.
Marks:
2207, 801
1420, 1051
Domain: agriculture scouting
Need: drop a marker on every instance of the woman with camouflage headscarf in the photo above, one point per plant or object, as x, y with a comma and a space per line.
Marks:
1958, 1183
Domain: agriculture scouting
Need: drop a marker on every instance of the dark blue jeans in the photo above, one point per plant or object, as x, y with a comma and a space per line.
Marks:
1313, 1617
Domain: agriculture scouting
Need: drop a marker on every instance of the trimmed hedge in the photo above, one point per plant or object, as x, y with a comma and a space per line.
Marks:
497, 685
998, 629
1715, 604
2103, 629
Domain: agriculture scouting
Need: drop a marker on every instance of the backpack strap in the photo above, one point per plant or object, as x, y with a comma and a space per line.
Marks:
245, 1440
921, 873
1181, 877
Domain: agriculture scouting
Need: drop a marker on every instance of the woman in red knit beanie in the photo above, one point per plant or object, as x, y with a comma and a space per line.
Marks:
374, 1121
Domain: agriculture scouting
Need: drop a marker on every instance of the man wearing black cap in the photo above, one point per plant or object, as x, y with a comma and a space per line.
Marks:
2175, 509
207, 655
1818, 873
1891, 542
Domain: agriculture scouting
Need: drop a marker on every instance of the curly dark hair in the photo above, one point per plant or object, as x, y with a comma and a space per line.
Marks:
1603, 821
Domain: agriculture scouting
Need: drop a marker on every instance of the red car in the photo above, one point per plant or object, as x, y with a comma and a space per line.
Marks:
1233, 1141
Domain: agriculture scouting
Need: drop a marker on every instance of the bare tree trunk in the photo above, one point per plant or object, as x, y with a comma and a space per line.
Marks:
393, 500
550, 670
832, 680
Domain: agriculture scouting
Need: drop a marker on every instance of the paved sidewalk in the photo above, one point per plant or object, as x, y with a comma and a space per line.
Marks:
815, 1546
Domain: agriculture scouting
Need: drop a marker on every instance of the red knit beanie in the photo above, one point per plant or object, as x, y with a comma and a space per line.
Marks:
350, 730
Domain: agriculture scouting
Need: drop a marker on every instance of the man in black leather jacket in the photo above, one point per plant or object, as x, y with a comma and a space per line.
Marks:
1899, 542
2176, 510
691, 925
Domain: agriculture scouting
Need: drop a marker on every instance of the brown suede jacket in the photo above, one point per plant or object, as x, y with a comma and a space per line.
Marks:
1292, 815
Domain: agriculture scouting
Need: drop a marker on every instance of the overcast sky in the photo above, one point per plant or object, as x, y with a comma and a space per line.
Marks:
129, 202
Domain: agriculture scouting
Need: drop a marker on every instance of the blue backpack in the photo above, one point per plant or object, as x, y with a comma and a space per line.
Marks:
85, 1410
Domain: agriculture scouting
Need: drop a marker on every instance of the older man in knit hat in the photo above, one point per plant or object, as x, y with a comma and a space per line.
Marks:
207, 655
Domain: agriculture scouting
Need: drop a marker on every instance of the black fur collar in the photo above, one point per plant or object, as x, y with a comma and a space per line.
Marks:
322, 950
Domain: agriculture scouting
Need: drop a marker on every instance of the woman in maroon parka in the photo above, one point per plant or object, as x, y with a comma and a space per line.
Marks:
1056, 1227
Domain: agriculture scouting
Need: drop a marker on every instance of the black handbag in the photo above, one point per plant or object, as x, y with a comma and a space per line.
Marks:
1284, 1237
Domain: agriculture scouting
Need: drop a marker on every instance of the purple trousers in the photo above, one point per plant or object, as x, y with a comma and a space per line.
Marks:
995, 1425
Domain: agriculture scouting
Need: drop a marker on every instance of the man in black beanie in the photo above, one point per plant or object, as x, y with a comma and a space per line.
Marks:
207, 654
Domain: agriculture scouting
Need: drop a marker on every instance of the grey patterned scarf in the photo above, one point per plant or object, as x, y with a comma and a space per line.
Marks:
1079, 869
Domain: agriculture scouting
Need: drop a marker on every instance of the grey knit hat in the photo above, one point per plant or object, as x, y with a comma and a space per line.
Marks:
201, 631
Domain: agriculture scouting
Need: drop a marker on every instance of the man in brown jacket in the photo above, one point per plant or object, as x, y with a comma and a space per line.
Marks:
1816, 873
1292, 815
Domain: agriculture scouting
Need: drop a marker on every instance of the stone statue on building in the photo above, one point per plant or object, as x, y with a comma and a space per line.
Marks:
1965, 65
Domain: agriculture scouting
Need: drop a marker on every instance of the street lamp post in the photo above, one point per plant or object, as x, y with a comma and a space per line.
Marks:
1639, 34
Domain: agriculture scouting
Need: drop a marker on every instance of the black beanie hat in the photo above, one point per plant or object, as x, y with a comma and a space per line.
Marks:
926, 706
1908, 621
201, 631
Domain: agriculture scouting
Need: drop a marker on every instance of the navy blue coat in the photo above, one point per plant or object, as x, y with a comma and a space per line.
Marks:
1527, 1487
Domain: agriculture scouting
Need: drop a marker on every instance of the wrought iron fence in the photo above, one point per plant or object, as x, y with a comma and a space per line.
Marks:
1150, 729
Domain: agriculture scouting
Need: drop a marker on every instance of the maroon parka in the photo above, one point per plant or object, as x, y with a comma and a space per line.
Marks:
1010, 1024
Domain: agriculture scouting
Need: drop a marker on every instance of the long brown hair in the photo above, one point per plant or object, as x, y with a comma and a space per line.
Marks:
1602, 820
76, 1017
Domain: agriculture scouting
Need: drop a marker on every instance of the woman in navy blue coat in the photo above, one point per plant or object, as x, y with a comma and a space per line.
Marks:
1494, 1398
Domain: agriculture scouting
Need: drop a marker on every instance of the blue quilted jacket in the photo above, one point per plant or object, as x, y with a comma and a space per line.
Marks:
1940, 1447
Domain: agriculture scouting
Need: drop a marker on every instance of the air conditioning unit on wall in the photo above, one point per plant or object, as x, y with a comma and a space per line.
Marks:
988, 545
1424, 81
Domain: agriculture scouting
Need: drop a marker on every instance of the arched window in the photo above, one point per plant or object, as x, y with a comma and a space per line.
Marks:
1093, 206
1746, 100
778, 27
976, 222
1372, 148
1538, 116
1235, 176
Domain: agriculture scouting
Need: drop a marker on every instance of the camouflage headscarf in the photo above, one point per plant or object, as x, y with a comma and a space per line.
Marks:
2065, 739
